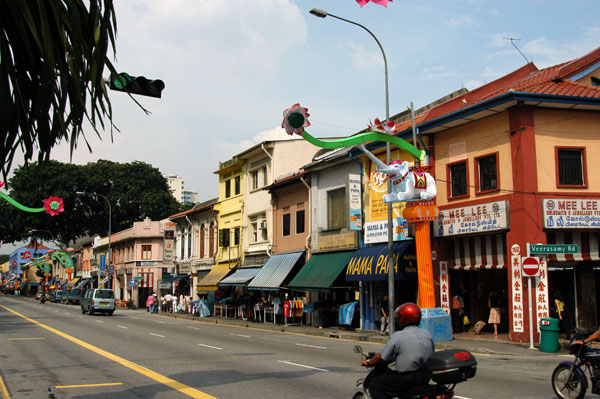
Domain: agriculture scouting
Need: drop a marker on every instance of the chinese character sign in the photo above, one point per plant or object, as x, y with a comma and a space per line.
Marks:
444, 287
541, 293
517, 294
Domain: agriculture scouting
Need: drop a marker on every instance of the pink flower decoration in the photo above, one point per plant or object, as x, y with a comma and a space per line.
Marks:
388, 127
380, 2
54, 205
1, 184
26, 255
295, 119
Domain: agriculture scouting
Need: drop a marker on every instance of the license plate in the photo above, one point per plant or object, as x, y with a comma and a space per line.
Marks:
104, 303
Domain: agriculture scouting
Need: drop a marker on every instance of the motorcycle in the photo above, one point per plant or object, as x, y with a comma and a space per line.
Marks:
446, 368
44, 298
569, 379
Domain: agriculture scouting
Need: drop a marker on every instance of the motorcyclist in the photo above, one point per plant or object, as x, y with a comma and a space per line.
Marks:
589, 339
410, 347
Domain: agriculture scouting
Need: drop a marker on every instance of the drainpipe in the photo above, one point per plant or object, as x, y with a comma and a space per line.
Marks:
307, 243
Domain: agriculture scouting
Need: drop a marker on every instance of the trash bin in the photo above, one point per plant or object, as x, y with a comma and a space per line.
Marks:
549, 335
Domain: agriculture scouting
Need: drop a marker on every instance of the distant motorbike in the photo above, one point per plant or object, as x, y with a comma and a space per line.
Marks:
446, 368
44, 298
569, 379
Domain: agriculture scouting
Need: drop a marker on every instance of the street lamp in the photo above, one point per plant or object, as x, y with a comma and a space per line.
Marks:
392, 316
109, 225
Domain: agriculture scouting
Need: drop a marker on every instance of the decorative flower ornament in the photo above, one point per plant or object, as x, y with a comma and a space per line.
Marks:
388, 127
295, 119
53, 205
380, 2
1, 184
26, 255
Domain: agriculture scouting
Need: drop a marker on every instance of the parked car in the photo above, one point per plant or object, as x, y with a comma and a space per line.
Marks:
56, 296
98, 300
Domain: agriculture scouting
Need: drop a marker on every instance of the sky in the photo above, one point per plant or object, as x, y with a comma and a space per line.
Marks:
232, 67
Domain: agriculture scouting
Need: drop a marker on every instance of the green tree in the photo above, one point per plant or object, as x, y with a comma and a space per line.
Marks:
52, 57
134, 190
4, 258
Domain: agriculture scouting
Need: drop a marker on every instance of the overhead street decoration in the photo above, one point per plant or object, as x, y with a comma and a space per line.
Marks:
52, 205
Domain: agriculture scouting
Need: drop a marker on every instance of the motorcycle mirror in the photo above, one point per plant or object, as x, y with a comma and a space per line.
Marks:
357, 349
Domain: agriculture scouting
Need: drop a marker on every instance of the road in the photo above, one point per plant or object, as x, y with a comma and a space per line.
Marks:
133, 354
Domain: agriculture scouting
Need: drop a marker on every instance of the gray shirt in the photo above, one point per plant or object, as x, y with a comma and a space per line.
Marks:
410, 348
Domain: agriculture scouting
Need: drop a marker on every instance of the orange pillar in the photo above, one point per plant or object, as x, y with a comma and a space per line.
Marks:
421, 213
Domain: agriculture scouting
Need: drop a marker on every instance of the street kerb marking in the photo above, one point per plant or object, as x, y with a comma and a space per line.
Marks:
301, 365
211, 347
176, 385
108, 384
24, 339
312, 346
3, 390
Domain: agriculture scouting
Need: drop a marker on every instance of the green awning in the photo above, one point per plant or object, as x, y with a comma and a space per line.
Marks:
320, 271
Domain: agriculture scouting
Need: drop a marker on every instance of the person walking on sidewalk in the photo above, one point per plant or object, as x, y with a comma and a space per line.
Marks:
385, 320
458, 314
494, 306
155, 304
563, 314
150, 303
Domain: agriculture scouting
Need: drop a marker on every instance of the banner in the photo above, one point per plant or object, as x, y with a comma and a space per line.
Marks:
355, 204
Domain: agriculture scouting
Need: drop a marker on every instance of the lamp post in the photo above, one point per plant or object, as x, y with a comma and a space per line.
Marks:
109, 225
390, 261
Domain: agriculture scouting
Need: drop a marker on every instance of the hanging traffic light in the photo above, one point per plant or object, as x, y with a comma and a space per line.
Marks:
137, 85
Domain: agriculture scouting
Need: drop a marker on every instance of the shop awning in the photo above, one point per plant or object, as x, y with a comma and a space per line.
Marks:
177, 278
240, 278
586, 240
478, 252
320, 271
371, 264
82, 283
276, 269
216, 274
74, 281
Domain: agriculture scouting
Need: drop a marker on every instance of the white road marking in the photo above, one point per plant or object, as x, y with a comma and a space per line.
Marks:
157, 335
461, 397
56, 310
81, 317
161, 322
241, 335
67, 313
212, 347
302, 365
99, 321
312, 346
195, 328
123, 327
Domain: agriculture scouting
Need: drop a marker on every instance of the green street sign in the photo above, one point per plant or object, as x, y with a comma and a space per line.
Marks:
541, 249
138, 278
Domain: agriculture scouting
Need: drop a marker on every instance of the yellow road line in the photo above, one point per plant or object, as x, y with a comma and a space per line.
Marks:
187, 390
108, 384
23, 339
5, 394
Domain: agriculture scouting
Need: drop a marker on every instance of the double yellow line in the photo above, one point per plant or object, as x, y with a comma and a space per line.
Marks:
187, 390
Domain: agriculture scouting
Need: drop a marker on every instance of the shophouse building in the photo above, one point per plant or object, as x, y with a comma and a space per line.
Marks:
195, 248
514, 166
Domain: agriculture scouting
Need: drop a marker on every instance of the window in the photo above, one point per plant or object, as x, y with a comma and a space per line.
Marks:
146, 252
236, 236
595, 81
202, 240
224, 237
211, 239
254, 230
487, 173
181, 246
259, 178
458, 179
336, 208
189, 245
571, 168
286, 224
237, 185
300, 222
228, 188
264, 173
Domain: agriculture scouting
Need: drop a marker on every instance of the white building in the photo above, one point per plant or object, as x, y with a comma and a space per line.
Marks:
177, 186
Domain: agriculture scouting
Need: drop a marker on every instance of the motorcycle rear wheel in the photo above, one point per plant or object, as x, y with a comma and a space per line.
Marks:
567, 385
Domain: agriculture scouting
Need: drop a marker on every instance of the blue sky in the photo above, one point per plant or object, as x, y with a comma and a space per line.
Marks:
232, 67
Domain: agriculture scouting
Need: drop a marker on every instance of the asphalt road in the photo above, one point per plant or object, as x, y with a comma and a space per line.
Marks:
133, 354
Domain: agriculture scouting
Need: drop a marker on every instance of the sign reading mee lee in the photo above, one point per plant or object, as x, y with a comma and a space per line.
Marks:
571, 213
481, 218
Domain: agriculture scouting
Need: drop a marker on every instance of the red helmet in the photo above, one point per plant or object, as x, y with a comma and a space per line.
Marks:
408, 313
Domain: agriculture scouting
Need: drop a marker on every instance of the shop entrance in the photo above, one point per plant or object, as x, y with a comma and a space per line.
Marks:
475, 287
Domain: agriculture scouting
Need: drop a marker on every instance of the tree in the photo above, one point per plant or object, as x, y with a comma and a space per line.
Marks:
135, 191
52, 57
4, 258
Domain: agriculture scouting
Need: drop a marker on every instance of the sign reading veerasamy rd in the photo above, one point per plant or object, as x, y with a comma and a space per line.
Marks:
540, 249
531, 266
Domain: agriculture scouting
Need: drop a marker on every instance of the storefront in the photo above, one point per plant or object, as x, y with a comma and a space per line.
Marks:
369, 266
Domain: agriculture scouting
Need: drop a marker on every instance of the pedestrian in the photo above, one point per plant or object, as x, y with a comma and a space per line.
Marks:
150, 303
155, 307
562, 313
385, 320
174, 307
188, 304
163, 305
169, 299
494, 306
458, 314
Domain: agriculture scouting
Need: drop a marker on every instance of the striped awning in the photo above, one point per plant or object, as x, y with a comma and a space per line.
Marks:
147, 280
586, 240
478, 252
275, 271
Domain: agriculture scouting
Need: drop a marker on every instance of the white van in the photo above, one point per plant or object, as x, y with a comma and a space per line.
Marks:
98, 300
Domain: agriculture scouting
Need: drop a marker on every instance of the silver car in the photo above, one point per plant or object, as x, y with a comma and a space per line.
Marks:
100, 300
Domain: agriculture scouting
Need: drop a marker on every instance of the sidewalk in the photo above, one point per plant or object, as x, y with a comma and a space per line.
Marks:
484, 343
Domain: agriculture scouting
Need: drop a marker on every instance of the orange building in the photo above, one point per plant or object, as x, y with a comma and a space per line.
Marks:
514, 164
